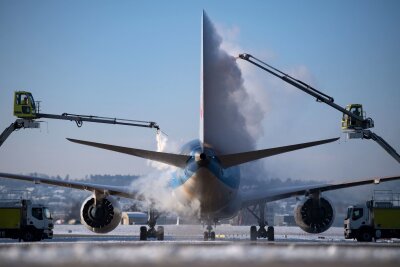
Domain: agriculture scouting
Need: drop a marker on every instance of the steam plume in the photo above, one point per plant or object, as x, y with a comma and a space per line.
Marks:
232, 121
225, 126
232, 117
155, 185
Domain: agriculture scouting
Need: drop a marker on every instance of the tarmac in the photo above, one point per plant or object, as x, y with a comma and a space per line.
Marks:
75, 246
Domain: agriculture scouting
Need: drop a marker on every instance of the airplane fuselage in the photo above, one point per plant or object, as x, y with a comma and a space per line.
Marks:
204, 182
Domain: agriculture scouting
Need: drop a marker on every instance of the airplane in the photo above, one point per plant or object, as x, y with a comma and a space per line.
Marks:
208, 173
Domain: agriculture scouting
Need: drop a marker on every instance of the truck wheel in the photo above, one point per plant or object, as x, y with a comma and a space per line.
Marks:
378, 234
38, 236
364, 236
28, 236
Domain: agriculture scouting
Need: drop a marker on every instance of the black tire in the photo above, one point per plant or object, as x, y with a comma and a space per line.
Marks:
206, 236
28, 236
271, 233
160, 233
365, 235
38, 235
262, 233
253, 233
212, 236
143, 233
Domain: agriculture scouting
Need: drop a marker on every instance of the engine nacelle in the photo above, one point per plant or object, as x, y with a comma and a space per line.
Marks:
102, 217
314, 215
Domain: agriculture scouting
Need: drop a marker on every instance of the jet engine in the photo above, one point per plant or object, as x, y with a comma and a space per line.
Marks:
101, 216
314, 215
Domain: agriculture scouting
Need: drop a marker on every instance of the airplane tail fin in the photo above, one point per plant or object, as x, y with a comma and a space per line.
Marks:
240, 158
167, 158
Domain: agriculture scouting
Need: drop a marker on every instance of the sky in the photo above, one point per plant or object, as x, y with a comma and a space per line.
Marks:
141, 60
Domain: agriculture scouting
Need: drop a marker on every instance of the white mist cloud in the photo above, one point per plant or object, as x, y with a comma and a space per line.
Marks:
237, 101
232, 116
155, 185
271, 104
235, 105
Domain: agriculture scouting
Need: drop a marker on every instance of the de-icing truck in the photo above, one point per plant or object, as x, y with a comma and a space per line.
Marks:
23, 220
375, 219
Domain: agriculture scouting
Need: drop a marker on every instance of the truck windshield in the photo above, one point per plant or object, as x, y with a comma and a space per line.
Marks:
349, 211
32, 102
357, 213
37, 213
47, 213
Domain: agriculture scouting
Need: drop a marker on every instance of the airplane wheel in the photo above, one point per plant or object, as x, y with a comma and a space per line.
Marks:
262, 233
206, 236
271, 233
160, 233
143, 233
212, 236
253, 233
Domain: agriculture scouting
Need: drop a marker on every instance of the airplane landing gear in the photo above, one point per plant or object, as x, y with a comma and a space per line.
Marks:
152, 232
209, 234
268, 233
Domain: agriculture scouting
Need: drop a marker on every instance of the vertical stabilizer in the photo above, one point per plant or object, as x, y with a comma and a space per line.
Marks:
222, 125
201, 133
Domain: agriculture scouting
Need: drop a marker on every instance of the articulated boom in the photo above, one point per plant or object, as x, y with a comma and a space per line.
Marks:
28, 111
354, 122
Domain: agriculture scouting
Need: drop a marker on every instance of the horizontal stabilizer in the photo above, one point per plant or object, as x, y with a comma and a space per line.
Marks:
167, 158
240, 158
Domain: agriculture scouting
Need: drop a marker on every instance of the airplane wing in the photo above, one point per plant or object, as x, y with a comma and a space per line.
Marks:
106, 189
250, 198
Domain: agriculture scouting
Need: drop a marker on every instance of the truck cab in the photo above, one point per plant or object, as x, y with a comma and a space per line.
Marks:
376, 218
24, 105
349, 123
40, 217
22, 219
356, 223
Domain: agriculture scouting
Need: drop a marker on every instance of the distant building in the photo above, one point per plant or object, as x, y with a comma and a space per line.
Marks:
74, 221
284, 220
129, 218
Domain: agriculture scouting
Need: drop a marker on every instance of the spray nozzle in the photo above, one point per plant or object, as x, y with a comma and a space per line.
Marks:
244, 56
158, 132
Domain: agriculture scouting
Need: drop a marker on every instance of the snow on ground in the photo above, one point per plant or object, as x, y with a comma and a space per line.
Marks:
214, 254
196, 231
185, 247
